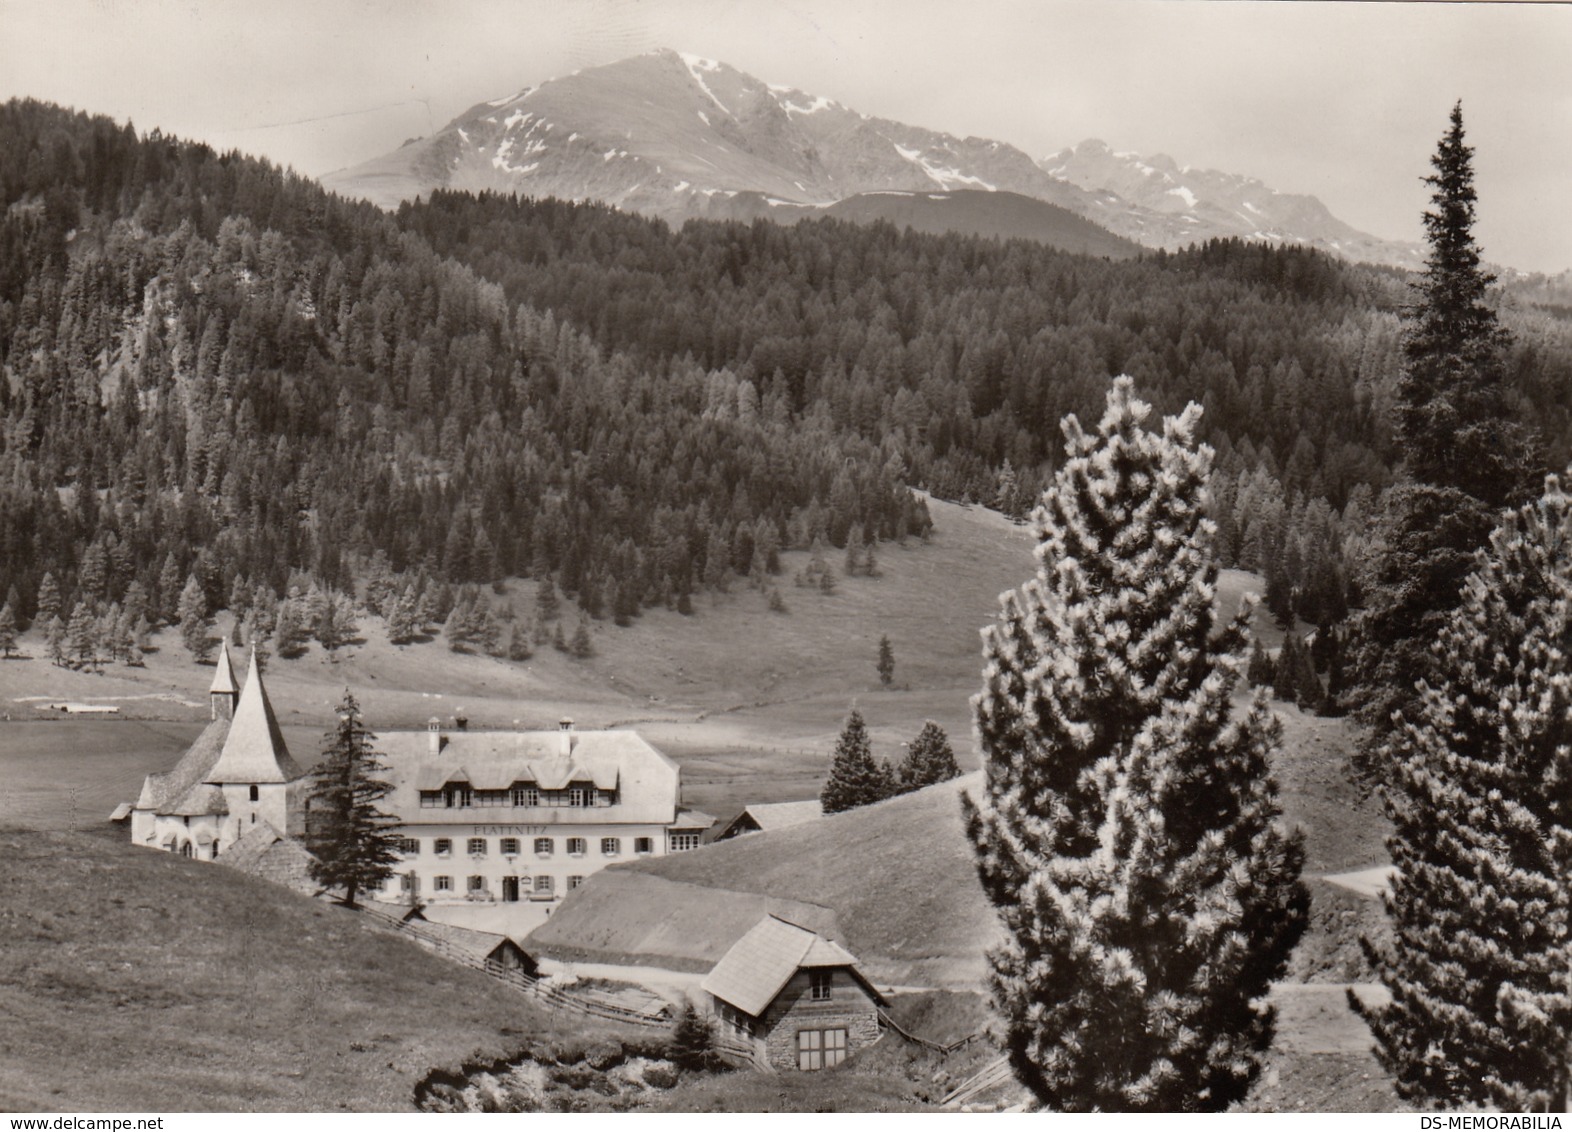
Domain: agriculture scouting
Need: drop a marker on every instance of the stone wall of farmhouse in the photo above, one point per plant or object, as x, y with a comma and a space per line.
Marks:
848, 1008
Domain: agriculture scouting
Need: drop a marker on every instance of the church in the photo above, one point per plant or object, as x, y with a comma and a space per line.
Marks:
237, 776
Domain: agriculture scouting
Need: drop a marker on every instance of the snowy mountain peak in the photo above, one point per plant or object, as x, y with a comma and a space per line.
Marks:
1193, 204
678, 135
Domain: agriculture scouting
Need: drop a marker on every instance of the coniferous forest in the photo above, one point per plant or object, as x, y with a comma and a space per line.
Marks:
214, 371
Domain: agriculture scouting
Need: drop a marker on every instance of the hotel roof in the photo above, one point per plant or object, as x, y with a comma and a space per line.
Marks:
646, 781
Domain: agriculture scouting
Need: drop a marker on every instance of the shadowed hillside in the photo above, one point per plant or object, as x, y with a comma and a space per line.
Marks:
898, 876
139, 981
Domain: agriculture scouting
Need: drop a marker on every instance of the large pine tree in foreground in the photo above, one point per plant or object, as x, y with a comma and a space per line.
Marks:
1464, 458
1481, 799
1127, 835
354, 842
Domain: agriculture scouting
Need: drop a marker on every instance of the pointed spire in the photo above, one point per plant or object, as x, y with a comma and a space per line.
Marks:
225, 691
254, 750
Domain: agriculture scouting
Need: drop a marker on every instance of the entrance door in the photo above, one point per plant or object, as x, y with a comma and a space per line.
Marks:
510, 889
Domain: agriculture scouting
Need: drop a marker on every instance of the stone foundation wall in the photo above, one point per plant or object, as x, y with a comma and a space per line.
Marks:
862, 1030
795, 1009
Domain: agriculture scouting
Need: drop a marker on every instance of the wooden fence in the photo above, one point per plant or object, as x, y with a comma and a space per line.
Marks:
995, 1073
579, 1002
739, 1052
927, 1043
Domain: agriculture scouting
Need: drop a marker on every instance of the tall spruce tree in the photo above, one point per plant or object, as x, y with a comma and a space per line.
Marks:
49, 601
195, 627
1480, 965
82, 634
1127, 834
855, 778
886, 662
354, 843
55, 639
1463, 457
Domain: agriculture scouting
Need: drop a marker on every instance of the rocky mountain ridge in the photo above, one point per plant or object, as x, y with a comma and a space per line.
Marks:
678, 136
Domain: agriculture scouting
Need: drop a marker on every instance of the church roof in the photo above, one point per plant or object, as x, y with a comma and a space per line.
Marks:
224, 678
160, 791
202, 799
254, 750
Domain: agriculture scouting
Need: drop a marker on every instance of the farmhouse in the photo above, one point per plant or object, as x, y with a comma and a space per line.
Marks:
526, 815
795, 998
237, 775
771, 815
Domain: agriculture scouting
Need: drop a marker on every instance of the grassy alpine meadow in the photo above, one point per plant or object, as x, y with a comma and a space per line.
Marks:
749, 701
140, 981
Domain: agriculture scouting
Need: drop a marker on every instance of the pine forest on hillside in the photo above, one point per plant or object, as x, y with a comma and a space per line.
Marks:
215, 370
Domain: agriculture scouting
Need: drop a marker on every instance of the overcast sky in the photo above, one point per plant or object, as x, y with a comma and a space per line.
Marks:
1342, 100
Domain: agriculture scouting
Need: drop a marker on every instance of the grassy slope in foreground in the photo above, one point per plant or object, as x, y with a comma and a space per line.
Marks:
138, 981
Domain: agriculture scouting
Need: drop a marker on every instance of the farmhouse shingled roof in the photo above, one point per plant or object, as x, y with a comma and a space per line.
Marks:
752, 973
773, 815
263, 851
471, 941
780, 815
692, 820
254, 750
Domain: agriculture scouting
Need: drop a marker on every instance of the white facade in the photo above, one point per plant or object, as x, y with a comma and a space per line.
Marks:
237, 774
525, 816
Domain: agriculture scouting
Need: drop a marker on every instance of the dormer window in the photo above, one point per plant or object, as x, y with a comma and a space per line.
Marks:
526, 796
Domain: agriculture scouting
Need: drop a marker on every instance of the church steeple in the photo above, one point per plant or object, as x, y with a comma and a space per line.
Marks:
254, 750
225, 692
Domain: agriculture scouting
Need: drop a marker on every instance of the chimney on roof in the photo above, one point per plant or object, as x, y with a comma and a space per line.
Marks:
565, 731
434, 730
460, 720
